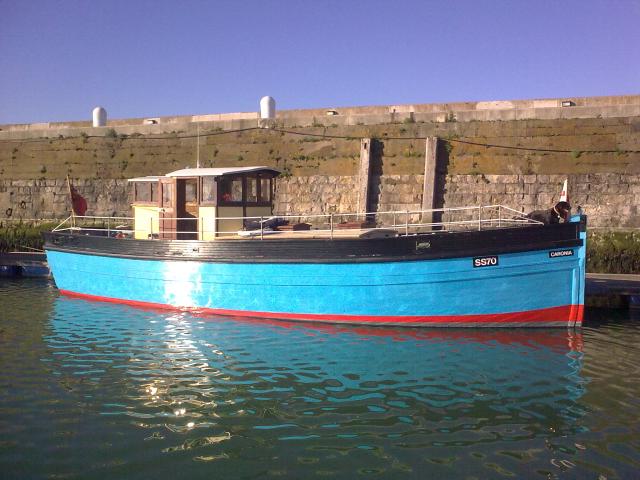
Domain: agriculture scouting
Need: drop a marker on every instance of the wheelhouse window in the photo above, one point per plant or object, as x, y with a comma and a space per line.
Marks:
155, 192
191, 191
265, 190
167, 194
146, 192
230, 190
252, 190
208, 190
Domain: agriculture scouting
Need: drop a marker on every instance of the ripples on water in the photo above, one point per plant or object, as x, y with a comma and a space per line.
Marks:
95, 390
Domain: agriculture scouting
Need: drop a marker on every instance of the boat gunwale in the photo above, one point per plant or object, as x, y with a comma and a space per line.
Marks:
374, 250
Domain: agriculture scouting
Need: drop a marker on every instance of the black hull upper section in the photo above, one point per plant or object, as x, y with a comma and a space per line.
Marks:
424, 246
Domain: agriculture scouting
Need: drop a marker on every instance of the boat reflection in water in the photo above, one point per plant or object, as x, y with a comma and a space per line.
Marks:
299, 398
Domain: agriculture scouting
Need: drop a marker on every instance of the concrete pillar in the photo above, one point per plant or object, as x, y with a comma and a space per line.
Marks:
428, 188
363, 175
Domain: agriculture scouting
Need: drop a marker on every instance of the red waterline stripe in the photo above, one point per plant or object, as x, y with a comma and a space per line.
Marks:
566, 313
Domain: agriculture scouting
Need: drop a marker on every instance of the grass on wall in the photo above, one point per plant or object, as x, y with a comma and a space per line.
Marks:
23, 236
613, 252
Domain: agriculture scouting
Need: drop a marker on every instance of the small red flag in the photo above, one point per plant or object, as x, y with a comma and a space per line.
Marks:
78, 202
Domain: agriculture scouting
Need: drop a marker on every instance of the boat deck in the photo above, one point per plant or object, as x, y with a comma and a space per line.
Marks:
369, 225
343, 233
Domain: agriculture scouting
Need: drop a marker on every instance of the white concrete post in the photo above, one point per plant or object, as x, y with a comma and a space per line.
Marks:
363, 175
428, 188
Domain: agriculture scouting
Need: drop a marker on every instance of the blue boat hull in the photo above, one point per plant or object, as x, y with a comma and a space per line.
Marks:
534, 288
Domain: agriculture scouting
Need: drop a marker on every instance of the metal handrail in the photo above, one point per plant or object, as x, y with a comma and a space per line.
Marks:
72, 218
476, 217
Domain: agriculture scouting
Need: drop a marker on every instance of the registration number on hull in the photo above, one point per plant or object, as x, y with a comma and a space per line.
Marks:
490, 261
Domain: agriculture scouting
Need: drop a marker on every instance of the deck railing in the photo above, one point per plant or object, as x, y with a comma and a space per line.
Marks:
329, 224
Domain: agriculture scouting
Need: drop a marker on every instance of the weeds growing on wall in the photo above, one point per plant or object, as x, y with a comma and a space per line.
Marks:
613, 252
22, 235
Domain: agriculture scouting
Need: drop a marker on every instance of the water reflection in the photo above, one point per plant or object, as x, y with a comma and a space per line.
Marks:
91, 390
316, 400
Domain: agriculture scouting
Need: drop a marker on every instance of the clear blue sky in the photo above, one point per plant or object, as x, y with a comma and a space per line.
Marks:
139, 58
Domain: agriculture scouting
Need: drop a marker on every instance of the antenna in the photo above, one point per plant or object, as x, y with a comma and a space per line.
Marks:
198, 149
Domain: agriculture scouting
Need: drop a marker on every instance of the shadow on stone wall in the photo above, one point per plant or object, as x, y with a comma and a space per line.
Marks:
375, 173
442, 170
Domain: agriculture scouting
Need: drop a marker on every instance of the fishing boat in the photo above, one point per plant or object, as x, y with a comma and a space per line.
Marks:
208, 240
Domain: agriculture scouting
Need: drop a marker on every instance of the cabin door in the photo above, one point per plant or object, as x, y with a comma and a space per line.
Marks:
168, 221
187, 208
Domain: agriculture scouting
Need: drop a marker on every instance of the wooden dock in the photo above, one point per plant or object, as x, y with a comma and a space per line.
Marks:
613, 284
23, 264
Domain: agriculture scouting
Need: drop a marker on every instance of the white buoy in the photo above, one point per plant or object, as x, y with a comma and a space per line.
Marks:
267, 108
99, 117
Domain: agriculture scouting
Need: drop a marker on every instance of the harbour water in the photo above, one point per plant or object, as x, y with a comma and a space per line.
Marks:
97, 390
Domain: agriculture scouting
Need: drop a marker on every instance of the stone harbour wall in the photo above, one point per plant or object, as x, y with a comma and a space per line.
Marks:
315, 195
519, 162
49, 199
396, 193
609, 199
325, 194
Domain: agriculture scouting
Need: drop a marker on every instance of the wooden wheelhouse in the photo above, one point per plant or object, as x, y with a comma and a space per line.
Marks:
201, 203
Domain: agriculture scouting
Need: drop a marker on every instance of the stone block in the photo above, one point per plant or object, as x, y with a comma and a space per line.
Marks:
580, 188
546, 199
594, 188
407, 178
406, 198
629, 178
605, 178
557, 179
621, 188
513, 189
408, 188
498, 188
531, 188
580, 178
387, 197
547, 188
543, 179
471, 179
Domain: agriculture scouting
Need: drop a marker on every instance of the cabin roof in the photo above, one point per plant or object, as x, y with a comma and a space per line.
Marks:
145, 179
218, 172
205, 172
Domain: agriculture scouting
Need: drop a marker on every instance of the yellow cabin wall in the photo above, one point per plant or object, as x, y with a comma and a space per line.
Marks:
258, 212
231, 226
207, 223
146, 221
211, 225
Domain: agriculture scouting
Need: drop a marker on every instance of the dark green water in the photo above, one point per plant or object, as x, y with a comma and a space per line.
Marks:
93, 390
